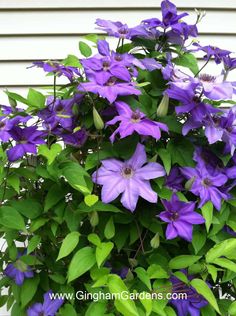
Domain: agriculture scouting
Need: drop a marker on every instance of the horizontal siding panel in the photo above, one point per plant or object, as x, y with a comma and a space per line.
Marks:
82, 22
62, 4
17, 74
58, 47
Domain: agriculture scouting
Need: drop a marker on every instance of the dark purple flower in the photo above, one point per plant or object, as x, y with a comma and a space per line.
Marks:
131, 178
180, 217
229, 63
211, 51
58, 69
175, 179
49, 307
206, 184
76, 139
7, 124
230, 231
26, 140
134, 121
193, 302
18, 271
122, 272
110, 90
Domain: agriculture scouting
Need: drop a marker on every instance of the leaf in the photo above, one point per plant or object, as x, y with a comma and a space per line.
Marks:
183, 261
30, 208
68, 310
187, 60
94, 239
143, 276
125, 306
202, 288
226, 248
14, 181
103, 251
199, 239
54, 195
98, 207
33, 243
72, 60
90, 199
36, 99
10, 218
166, 158
225, 263
232, 309
68, 245
96, 308
146, 302
17, 97
28, 290
181, 151
85, 49
82, 262
155, 271
49, 153
109, 231
207, 213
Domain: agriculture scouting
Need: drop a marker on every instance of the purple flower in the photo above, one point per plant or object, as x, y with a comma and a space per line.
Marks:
174, 180
6, 125
110, 90
211, 51
230, 231
180, 217
49, 307
190, 305
134, 121
76, 139
18, 271
26, 140
59, 70
229, 63
206, 184
131, 178
116, 29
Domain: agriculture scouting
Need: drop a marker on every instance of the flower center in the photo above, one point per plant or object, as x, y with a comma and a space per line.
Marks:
229, 129
207, 182
127, 172
59, 108
106, 65
135, 117
111, 81
118, 57
207, 78
2, 124
196, 99
174, 216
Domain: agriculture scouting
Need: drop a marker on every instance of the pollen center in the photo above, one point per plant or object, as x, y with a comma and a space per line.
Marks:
127, 172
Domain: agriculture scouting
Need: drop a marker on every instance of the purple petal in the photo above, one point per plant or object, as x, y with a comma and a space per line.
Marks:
152, 170
139, 157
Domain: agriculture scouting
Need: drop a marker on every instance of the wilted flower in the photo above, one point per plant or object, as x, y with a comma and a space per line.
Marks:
131, 178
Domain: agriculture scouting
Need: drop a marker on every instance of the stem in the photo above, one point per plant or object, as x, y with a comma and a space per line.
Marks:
5, 184
202, 67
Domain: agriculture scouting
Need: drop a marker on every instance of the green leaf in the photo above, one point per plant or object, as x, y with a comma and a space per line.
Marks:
68, 245
143, 276
54, 195
10, 218
125, 306
183, 261
207, 213
49, 153
232, 309
199, 239
90, 199
109, 231
96, 308
181, 151
226, 248
85, 49
36, 99
94, 239
72, 60
103, 251
146, 302
155, 271
33, 243
187, 60
82, 262
68, 310
17, 97
14, 181
166, 158
28, 290
30, 208
202, 288
98, 207
225, 263
208, 311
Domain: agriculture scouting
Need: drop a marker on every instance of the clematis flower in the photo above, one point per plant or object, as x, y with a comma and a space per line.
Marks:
206, 184
18, 271
180, 217
7, 124
175, 179
116, 29
111, 89
76, 139
49, 307
211, 51
229, 63
26, 140
134, 121
131, 178
194, 301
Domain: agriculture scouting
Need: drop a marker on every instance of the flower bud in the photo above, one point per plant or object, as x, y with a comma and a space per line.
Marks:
163, 107
94, 219
155, 241
98, 122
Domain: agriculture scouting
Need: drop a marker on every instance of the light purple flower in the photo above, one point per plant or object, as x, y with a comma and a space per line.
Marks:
49, 307
180, 217
211, 51
134, 121
116, 29
131, 178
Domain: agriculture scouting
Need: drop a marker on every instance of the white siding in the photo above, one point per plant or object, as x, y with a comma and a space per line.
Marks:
43, 29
